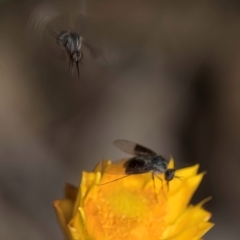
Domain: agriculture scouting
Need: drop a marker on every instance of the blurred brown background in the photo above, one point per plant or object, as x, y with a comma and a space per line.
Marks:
168, 77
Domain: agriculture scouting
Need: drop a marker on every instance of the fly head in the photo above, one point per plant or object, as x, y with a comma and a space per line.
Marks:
169, 174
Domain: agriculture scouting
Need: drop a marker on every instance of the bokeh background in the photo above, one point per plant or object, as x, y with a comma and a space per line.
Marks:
167, 76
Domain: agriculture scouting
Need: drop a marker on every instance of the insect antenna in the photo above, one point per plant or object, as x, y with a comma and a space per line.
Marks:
114, 180
154, 185
179, 178
162, 185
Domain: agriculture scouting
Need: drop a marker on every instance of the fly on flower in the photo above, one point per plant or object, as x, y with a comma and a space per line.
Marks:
60, 29
145, 161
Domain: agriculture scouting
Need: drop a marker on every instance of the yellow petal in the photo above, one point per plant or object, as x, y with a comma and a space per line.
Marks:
88, 180
190, 217
70, 192
102, 165
171, 163
64, 210
77, 226
194, 232
188, 171
183, 195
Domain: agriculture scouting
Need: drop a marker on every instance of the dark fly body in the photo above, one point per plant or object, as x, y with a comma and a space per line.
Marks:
155, 164
67, 27
72, 43
145, 161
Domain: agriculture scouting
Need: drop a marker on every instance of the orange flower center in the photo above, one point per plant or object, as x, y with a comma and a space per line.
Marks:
120, 210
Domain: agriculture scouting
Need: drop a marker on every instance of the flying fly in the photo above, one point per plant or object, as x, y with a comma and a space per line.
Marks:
48, 22
72, 42
145, 161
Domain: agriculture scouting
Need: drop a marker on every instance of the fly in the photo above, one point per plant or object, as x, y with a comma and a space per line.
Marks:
145, 161
69, 29
72, 43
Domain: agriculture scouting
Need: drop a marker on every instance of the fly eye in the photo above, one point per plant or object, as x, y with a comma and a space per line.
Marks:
169, 174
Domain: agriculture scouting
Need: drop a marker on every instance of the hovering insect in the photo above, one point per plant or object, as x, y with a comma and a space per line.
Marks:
66, 25
145, 160
72, 42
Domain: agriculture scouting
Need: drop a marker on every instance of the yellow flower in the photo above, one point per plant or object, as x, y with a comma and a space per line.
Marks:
132, 208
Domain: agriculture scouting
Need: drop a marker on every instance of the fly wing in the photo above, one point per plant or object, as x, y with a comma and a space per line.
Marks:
94, 51
87, 28
117, 167
48, 20
133, 148
44, 25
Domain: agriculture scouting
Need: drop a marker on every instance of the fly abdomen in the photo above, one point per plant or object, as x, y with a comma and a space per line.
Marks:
135, 165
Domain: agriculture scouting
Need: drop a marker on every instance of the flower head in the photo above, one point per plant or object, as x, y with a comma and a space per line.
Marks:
111, 207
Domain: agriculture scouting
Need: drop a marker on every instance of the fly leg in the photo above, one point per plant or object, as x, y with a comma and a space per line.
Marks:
154, 186
162, 187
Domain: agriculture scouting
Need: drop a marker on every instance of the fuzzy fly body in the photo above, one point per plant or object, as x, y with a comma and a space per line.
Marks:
145, 161
72, 43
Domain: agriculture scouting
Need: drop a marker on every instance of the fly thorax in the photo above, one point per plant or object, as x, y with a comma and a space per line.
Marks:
63, 38
160, 164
